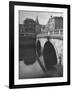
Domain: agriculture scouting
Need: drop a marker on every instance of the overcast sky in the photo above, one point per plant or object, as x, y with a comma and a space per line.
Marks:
43, 17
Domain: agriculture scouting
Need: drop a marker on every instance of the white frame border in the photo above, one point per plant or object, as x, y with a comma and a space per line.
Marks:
16, 41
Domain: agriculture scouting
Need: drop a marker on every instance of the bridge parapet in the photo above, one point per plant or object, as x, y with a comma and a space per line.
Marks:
54, 35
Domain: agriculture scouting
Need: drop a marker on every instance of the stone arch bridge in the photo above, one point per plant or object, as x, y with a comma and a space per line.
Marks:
55, 39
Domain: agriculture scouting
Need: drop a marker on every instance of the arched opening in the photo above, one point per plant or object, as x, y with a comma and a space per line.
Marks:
49, 55
38, 48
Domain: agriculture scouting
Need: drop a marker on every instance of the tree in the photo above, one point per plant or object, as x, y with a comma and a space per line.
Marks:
29, 25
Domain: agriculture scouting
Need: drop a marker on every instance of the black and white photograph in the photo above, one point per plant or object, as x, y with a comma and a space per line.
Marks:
39, 44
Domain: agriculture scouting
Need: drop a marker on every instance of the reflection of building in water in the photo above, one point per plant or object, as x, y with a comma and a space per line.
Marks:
27, 41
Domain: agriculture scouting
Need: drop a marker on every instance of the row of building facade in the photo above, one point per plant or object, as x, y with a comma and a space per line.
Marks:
31, 27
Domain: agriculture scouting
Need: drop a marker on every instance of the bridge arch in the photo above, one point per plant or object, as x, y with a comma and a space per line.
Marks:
38, 48
42, 41
49, 55
56, 49
57, 44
